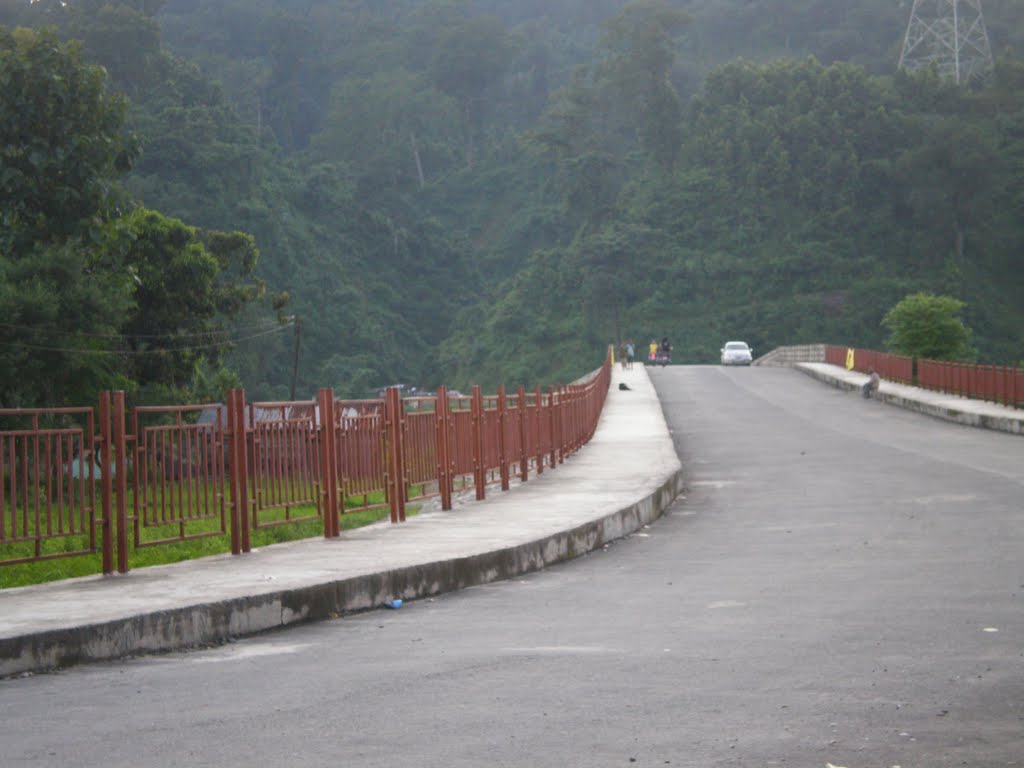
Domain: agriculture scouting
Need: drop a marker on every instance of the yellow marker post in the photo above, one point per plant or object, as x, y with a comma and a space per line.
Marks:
849, 358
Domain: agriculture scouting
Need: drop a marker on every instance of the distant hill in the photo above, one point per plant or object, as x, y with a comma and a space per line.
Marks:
482, 191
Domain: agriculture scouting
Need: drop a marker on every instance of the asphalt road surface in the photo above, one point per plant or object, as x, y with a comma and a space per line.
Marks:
843, 583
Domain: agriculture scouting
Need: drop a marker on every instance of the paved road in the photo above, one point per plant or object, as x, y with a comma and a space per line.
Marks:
842, 583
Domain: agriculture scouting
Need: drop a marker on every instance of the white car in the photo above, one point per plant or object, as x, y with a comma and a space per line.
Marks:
737, 353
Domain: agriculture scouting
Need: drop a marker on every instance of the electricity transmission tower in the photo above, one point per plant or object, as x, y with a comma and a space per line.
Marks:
947, 34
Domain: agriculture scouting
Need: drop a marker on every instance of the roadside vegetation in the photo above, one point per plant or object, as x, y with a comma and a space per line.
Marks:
479, 191
39, 572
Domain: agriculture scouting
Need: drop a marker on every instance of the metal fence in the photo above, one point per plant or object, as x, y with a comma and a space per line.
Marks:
110, 481
892, 367
994, 383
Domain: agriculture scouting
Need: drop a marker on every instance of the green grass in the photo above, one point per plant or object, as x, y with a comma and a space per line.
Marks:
24, 574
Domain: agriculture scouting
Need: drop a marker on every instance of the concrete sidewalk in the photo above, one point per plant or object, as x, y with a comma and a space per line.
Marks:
962, 410
620, 481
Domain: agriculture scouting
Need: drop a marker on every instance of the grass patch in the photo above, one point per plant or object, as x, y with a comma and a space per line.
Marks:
39, 572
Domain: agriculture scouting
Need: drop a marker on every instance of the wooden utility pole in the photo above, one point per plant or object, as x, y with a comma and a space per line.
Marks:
295, 363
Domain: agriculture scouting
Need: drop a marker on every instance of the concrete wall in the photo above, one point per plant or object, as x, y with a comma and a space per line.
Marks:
788, 356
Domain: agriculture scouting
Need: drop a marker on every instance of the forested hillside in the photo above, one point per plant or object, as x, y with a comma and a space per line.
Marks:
491, 191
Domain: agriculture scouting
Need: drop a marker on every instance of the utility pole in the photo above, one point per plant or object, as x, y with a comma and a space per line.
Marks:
949, 35
295, 364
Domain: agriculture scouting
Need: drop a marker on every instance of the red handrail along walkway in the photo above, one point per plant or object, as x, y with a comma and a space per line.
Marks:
112, 481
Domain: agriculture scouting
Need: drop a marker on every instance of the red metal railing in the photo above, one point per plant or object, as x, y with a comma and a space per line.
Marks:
997, 384
898, 368
173, 473
50, 464
284, 463
178, 470
994, 383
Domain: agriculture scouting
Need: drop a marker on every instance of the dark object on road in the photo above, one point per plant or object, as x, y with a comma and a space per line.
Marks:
623, 385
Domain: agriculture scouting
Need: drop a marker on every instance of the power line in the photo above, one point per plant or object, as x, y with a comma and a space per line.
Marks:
143, 336
161, 350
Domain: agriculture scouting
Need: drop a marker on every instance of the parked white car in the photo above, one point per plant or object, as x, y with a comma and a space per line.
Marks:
737, 353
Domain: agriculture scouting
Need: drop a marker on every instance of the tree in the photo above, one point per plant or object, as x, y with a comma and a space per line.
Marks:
641, 51
927, 326
470, 59
62, 142
60, 327
62, 145
188, 285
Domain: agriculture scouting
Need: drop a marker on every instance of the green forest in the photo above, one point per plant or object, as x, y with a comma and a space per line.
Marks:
290, 194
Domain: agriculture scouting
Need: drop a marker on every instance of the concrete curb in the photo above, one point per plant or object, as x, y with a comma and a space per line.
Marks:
218, 622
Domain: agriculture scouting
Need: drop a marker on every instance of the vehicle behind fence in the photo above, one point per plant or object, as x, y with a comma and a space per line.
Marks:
994, 383
111, 481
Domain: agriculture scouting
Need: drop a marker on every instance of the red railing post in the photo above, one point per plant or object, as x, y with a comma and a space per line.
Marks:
577, 418
394, 428
238, 442
234, 464
564, 406
553, 406
106, 483
541, 417
444, 462
479, 470
502, 455
524, 452
567, 422
119, 468
328, 463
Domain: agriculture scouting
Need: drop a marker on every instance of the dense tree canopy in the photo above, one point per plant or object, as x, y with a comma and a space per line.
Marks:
62, 142
486, 191
96, 292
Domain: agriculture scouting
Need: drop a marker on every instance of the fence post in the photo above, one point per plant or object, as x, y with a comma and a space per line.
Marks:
538, 407
502, 455
106, 484
239, 476
552, 420
524, 453
120, 469
394, 423
569, 422
328, 462
234, 464
479, 470
442, 409
578, 418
